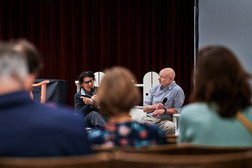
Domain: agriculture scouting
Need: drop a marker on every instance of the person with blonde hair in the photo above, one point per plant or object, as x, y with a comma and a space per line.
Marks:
221, 97
117, 94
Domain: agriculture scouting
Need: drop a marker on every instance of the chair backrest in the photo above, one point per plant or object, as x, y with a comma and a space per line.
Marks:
136, 160
172, 139
119, 159
150, 79
98, 78
174, 149
43, 89
90, 161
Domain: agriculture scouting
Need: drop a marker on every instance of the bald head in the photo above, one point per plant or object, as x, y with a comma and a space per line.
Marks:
166, 77
169, 72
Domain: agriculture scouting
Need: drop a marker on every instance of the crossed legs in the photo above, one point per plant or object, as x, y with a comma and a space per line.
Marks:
167, 125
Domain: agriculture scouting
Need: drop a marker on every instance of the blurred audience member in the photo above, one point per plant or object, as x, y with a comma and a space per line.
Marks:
222, 94
117, 94
30, 129
31, 55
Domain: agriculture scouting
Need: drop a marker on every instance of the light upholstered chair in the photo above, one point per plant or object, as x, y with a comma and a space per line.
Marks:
150, 79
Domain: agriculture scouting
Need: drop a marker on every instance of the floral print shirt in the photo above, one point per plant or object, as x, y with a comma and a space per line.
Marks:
127, 134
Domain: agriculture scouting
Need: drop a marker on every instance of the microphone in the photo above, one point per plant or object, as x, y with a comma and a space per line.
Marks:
164, 101
92, 89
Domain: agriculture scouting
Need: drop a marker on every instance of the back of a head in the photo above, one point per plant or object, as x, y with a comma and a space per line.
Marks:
117, 91
30, 52
12, 65
220, 78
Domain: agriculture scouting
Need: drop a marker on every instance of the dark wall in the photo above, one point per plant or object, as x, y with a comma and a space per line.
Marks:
78, 35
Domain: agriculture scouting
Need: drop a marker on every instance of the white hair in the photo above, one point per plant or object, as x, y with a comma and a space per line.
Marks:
12, 65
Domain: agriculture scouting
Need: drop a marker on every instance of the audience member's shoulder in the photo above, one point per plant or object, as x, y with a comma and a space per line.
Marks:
58, 109
193, 108
248, 111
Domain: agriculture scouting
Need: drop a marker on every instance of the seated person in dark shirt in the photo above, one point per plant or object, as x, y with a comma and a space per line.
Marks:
85, 100
117, 94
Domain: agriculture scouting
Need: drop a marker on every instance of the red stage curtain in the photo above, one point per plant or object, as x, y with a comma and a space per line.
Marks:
78, 35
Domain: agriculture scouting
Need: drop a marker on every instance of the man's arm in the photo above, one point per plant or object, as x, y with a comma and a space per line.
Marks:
151, 108
79, 105
87, 100
148, 106
164, 110
171, 111
178, 102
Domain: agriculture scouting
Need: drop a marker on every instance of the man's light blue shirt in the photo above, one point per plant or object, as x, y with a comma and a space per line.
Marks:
174, 94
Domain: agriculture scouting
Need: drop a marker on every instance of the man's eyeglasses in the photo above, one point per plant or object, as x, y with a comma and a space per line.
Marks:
90, 81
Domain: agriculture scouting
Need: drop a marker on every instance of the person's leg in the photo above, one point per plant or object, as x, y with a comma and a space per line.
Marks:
148, 120
95, 119
167, 126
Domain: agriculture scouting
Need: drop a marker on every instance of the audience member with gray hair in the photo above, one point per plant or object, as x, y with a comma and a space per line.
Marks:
32, 129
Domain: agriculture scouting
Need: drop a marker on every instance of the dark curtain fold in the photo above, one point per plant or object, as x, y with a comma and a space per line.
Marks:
78, 35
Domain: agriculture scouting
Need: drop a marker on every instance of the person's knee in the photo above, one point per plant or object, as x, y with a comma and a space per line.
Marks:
143, 119
169, 128
147, 120
92, 114
95, 119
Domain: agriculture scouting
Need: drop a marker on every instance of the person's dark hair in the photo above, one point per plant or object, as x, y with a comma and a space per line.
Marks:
221, 80
86, 74
31, 54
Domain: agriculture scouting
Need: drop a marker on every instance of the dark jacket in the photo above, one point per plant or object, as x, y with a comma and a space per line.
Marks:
30, 129
80, 106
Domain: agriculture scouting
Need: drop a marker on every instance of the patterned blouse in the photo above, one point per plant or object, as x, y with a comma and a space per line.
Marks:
127, 134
